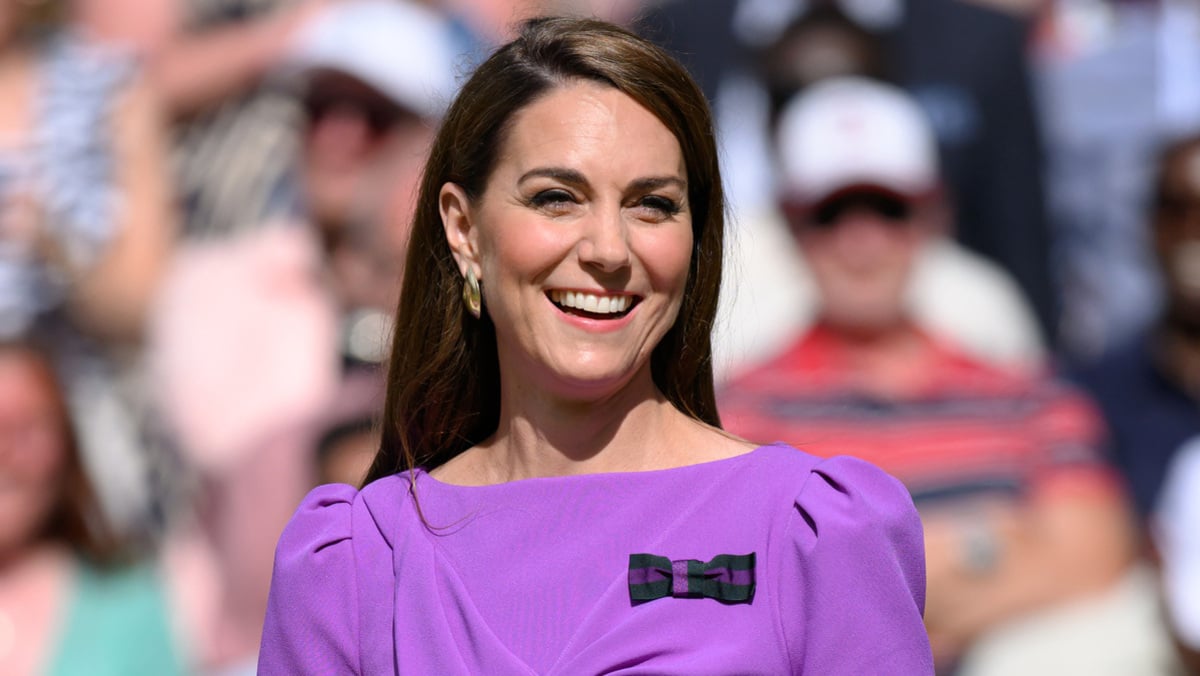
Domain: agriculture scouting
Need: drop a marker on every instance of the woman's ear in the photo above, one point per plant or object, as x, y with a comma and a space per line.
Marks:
461, 234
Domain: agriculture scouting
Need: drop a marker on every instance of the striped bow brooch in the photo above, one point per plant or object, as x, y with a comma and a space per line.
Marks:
728, 578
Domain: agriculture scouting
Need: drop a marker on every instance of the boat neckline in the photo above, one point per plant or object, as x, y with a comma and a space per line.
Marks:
424, 476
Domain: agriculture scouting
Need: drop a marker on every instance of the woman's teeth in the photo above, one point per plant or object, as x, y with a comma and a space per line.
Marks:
590, 302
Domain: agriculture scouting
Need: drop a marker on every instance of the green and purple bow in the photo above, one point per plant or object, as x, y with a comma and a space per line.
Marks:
728, 578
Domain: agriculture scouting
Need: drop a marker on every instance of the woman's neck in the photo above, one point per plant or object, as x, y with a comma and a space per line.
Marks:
634, 429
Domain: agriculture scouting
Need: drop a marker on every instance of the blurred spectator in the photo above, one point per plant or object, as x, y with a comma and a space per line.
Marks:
69, 602
243, 354
1149, 387
370, 117
820, 43
953, 291
75, 597
1021, 513
267, 344
1177, 540
1117, 78
209, 60
368, 111
965, 63
86, 225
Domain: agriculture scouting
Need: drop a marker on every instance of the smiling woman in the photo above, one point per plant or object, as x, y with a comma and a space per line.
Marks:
553, 492
582, 238
517, 146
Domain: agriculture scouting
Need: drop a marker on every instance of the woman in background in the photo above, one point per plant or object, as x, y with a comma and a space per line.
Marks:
70, 603
553, 492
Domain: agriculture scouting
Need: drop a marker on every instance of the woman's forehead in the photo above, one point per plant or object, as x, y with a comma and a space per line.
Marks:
589, 123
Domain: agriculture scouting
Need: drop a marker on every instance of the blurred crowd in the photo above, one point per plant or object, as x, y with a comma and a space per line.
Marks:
964, 244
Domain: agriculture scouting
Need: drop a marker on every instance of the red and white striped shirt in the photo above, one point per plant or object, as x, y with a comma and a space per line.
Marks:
966, 428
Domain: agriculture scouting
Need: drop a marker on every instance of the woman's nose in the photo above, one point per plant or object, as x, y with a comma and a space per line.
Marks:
604, 243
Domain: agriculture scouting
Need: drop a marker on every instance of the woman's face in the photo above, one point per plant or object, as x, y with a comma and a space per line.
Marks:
582, 240
32, 450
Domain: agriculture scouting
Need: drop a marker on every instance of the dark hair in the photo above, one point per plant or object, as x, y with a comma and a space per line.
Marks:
38, 20
76, 518
1169, 154
443, 390
788, 64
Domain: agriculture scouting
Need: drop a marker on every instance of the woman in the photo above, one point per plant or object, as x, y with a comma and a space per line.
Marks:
553, 492
68, 603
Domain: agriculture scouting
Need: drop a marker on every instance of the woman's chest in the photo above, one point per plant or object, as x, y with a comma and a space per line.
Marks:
563, 591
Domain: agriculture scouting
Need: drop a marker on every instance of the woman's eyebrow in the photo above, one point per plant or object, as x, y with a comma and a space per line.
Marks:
570, 176
656, 182
574, 177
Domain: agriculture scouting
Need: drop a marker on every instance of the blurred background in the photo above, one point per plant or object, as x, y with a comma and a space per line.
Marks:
964, 242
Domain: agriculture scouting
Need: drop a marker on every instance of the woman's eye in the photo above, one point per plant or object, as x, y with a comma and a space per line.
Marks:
554, 199
658, 206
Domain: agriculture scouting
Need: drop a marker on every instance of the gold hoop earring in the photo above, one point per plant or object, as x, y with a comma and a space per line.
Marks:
471, 295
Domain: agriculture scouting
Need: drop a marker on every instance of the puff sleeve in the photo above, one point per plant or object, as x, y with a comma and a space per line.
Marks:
312, 614
861, 567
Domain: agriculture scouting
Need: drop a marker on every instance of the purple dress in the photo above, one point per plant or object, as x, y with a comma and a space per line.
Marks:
536, 576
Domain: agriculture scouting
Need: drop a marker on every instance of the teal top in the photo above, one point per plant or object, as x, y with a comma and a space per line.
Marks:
117, 624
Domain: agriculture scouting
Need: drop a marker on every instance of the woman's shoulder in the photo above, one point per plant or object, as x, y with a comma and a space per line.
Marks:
333, 567
787, 463
339, 527
863, 500
853, 526
334, 513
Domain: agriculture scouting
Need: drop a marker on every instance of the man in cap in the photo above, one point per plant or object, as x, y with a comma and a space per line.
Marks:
1021, 512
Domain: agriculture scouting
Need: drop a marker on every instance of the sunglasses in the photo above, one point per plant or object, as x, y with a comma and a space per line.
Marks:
379, 114
829, 213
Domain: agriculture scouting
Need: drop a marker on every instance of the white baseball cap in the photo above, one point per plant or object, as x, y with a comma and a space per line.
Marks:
401, 49
851, 132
